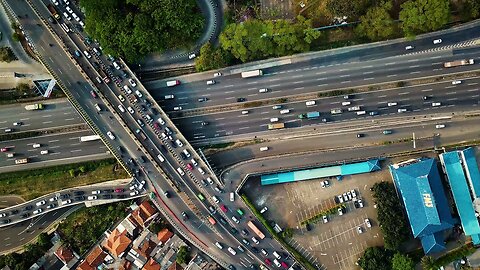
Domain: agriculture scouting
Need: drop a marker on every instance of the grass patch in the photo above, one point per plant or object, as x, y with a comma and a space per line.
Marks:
319, 216
19, 135
252, 104
279, 238
335, 93
454, 255
220, 145
82, 229
30, 184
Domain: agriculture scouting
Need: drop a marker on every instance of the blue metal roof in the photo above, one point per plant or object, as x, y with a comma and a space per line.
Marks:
301, 175
461, 192
424, 199
432, 243
471, 168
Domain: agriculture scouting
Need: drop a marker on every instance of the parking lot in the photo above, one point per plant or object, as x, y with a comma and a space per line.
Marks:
336, 244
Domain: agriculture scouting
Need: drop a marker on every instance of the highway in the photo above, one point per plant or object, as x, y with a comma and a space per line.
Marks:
61, 63
62, 148
57, 113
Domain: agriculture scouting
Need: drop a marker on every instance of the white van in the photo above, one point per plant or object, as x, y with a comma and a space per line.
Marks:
456, 82
286, 111
98, 107
187, 154
215, 199
232, 196
390, 104
440, 126
401, 110
310, 103
173, 83
277, 255
435, 104
275, 261
121, 108
180, 171
44, 152
346, 103
201, 170
265, 148
194, 162
116, 66
209, 180
36, 145
273, 120
160, 157
263, 90
244, 112
169, 97
210, 82
361, 112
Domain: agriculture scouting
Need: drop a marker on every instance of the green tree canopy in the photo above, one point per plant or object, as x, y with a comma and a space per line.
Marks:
255, 39
211, 58
350, 8
402, 262
470, 9
134, 28
182, 255
376, 258
377, 23
419, 16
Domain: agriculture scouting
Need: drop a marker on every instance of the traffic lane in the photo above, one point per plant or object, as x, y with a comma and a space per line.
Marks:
55, 114
309, 79
10, 200
464, 95
19, 234
59, 146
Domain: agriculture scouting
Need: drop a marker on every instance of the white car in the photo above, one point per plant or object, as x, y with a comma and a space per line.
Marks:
121, 108
263, 90
264, 209
132, 82
194, 162
235, 219
325, 219
95, 192
390, 104
66, 202
244, 112
75, 17
44, 152
359, 230
133, 193
92, 197
255, 240
218, 245
367, 223
122, 99
40, 203
110, 135
53, 199
232, 251
178, 108
409, 47
437, 41
38, 211
130, 110
139, 94
217, 74
160, 120
69, 10
210, 82
436, 104
456, 82
191, 56
340, 211
440, 126
179, 143
127, 89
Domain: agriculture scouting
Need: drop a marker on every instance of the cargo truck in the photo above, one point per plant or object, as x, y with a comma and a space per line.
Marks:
53, 11
256, 230
33, 107
21, 161
457, 63
309, 115
336, 111
276, 126
252, 73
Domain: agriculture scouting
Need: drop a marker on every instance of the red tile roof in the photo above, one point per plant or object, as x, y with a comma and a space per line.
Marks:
93, 259
164, 235
175, 266
117, 242
64, 254
151, 265
146, 248
143, 213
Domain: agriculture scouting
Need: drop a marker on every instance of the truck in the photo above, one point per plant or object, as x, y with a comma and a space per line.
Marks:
252, 73
276, 126
141, 134
104, 76
354, 108
21, 161
212, 220
89, 138
336, 111
309, 115
34, 107
53, 11
255, 230
457, 63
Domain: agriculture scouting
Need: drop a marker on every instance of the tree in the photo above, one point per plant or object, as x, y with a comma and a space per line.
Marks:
424, 15
351, 9
287, 233
376, 258
43, 240
402, 262
211, 58
182, 255
393, 222
377, 23
470, 9
428, 263
134, 28
6, 55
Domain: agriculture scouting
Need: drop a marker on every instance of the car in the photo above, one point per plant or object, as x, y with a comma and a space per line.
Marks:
25, 215
217, 74
268, 262
87, 54
263, 90
14, 212
177, 108
140, 122
340, 198
119, 190
255, 240
456, 82
138, 93
354, 193
65, 202
92, 197
18, 123
121, 108
325, 219
426, 97
340, 211
189, 166
218, 245
359, 229
360, 203
387, 132
127, 89
194, 162
437, 41
360, 135
241, 248
264, 252
367, 223
179, 143
409, 47
121, 98
133, 193
95, 192
69, 9
191, 56
130, 110
4, 149
284, 265
390, 104
232, 251
53, 199
40, 203
202, 99
116, 66
277, 107
3, 214
241, 99
6, 221
264, 209
245, 112
132, 82
110, 135
185, 216
373, 113
50, 206
38, 211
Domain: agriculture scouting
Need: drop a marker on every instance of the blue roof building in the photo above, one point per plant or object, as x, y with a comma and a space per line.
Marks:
463, 175
419, 184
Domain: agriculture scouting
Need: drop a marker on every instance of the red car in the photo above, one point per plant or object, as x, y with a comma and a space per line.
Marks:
284, 265
94, 95
119, 190
224, 208
189, 166
4, 149
156, 125
268, 262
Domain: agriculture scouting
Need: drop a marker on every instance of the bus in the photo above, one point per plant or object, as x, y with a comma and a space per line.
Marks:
200, 196
252, 73
21, 161
276, 126
89, 138
255, 230
212, 220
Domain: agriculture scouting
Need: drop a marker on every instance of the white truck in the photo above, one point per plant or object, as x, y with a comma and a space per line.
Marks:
33, 107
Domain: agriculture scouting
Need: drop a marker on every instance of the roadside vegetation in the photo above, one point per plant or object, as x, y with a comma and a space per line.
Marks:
82, 229
135, 28
24, 92
32, 252
7, 55
30, 184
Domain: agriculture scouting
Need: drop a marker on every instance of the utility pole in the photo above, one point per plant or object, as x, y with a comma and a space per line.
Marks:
414, 143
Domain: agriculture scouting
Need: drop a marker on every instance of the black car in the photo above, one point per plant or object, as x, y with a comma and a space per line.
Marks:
185, 216
25, 215
254, 249
80, 198
244, 232
241, 99
167, 194
96, 65
14, 212
28, 207
143, 159
65, 196
78, 192
120, 149
360, 135
231, 267
148, 103
223, 221
154, 111
205, 123
107, 196
233, 230
143, 108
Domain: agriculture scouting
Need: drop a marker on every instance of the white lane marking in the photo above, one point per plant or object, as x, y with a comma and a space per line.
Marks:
427, 90
52, 141
229, 92
392, 75
367, 72
47, 122
470, 84
414, 66
403, 93
299, 88
77, 150
382, 96
366, 79
230, 98
415, 72
46, 116
320, 85
297, 82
